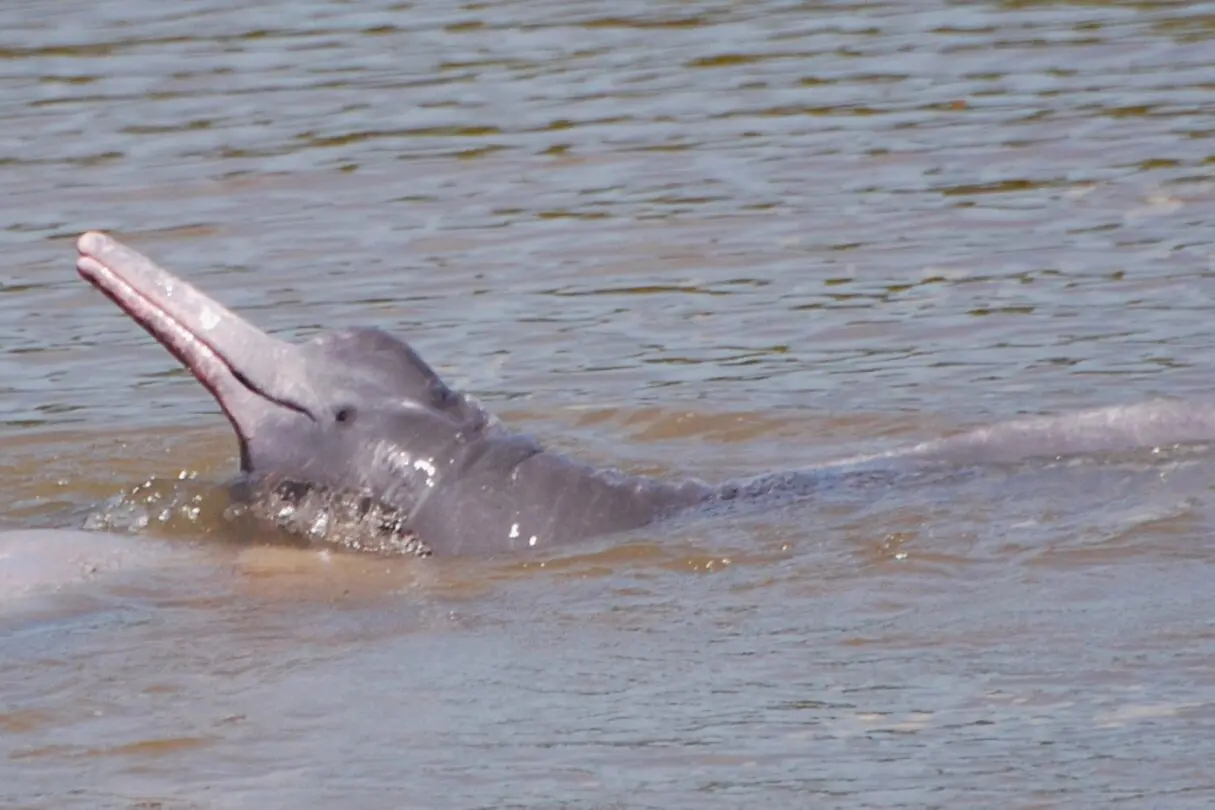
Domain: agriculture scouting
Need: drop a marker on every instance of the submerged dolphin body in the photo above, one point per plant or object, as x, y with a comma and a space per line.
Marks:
358, 417
36, 563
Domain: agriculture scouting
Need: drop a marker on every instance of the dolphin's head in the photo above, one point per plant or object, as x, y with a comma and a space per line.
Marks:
353, 410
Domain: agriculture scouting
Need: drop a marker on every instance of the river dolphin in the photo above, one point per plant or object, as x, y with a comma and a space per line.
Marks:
352, 427
36, 564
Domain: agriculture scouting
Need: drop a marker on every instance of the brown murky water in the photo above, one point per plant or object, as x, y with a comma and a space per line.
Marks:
707, 237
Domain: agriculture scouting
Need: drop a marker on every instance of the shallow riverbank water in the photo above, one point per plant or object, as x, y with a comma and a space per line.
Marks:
692, 238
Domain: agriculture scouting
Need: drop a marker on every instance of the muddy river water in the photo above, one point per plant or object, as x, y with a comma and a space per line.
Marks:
708, 238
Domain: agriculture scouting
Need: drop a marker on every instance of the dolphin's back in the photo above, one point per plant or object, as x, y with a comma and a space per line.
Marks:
1102, 430
45, 561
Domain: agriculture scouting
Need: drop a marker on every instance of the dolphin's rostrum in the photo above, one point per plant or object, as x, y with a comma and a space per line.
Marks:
354, 421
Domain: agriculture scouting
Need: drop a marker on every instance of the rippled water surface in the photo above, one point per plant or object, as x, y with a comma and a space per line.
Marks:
700, 238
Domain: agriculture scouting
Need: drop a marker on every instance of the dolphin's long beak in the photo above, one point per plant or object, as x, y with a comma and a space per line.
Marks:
249, 372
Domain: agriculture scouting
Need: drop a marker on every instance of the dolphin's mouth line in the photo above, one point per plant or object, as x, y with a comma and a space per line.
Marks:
203, 360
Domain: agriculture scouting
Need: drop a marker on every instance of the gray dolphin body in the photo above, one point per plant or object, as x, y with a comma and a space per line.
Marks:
357, 415
37, 563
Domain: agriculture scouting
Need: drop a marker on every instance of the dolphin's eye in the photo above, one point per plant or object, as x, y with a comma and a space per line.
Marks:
344, 415
442, 397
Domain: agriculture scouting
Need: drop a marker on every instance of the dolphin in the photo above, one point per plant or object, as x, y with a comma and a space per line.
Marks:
351, 438
40, 563
66, 572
